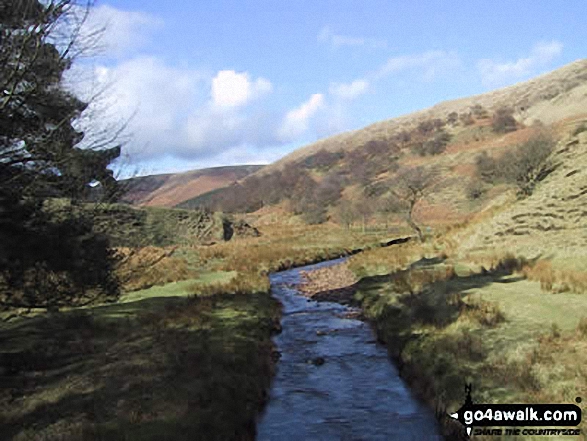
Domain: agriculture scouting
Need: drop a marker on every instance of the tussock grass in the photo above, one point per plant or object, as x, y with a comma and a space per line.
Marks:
483, 312
140, 268
243, 283
556, 280
285, 246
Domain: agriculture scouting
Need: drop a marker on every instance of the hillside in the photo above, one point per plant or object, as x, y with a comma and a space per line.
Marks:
548, 224
362, 167
168, 190
549, 98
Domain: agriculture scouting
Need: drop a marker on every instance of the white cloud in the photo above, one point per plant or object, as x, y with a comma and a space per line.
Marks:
232, 89
123, 31
336, 41
349, 91
495, 73
296, 121
154, 96
429, 63
179, 112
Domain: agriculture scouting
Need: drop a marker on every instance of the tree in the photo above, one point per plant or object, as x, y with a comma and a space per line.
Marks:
364, 208
346, 213
529, 164
39, 146
409, 187
41, 157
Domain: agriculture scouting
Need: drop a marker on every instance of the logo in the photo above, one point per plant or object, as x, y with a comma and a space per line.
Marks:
553, 416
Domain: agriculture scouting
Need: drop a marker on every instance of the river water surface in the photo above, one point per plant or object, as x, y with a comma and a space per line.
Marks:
356, 394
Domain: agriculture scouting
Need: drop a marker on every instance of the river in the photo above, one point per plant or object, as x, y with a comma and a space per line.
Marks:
334, 381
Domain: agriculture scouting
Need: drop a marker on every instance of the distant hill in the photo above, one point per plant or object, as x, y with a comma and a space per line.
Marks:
362, 165
168, 190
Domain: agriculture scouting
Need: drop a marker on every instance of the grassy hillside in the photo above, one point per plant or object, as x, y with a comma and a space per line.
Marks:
551, 222
499, 295
168, 190
360, 169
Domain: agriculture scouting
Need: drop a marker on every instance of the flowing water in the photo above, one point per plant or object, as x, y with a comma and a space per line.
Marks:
334, 381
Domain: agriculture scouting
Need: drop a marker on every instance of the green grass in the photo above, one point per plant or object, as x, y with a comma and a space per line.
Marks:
178, 289
153, 369
163, 362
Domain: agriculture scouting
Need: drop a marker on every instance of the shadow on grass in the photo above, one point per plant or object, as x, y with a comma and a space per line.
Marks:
160, 368
438, 303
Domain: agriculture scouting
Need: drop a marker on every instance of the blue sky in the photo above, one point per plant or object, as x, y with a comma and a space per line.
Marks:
225, 82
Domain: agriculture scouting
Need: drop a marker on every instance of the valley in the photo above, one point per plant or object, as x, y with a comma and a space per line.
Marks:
465, 243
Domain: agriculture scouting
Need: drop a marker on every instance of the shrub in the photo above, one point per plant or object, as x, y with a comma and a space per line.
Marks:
403, 137
434, 146
503, 121
525, 166
452, 118
323, 159
426, 127
315, 214
487, 168
466, 119
56, 259
479, 111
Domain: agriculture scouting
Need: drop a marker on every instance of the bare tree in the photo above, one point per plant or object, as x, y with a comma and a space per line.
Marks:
364, 208
409, 187
346, 213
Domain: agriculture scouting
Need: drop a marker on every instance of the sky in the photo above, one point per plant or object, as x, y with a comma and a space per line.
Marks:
225, 82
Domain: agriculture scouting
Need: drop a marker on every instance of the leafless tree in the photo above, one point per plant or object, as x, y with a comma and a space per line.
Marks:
346, 213
409, 187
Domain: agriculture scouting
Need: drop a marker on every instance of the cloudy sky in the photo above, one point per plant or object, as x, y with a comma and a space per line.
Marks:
222, 82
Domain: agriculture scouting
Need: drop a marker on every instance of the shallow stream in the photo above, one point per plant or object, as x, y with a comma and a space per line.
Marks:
334, 381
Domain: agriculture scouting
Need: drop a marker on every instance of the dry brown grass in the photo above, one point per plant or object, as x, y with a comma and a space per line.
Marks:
556, 280
141, 268
384, 260
243, 283
485, 313
283, 246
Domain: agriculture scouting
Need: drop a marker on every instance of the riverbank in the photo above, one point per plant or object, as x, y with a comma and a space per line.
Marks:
446, 322
189, 359
159, 368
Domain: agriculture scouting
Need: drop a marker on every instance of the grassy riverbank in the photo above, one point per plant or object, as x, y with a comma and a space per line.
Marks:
189, 356
156, 368
449, 321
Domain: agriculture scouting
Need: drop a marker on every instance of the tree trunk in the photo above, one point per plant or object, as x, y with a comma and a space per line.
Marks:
412, 224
